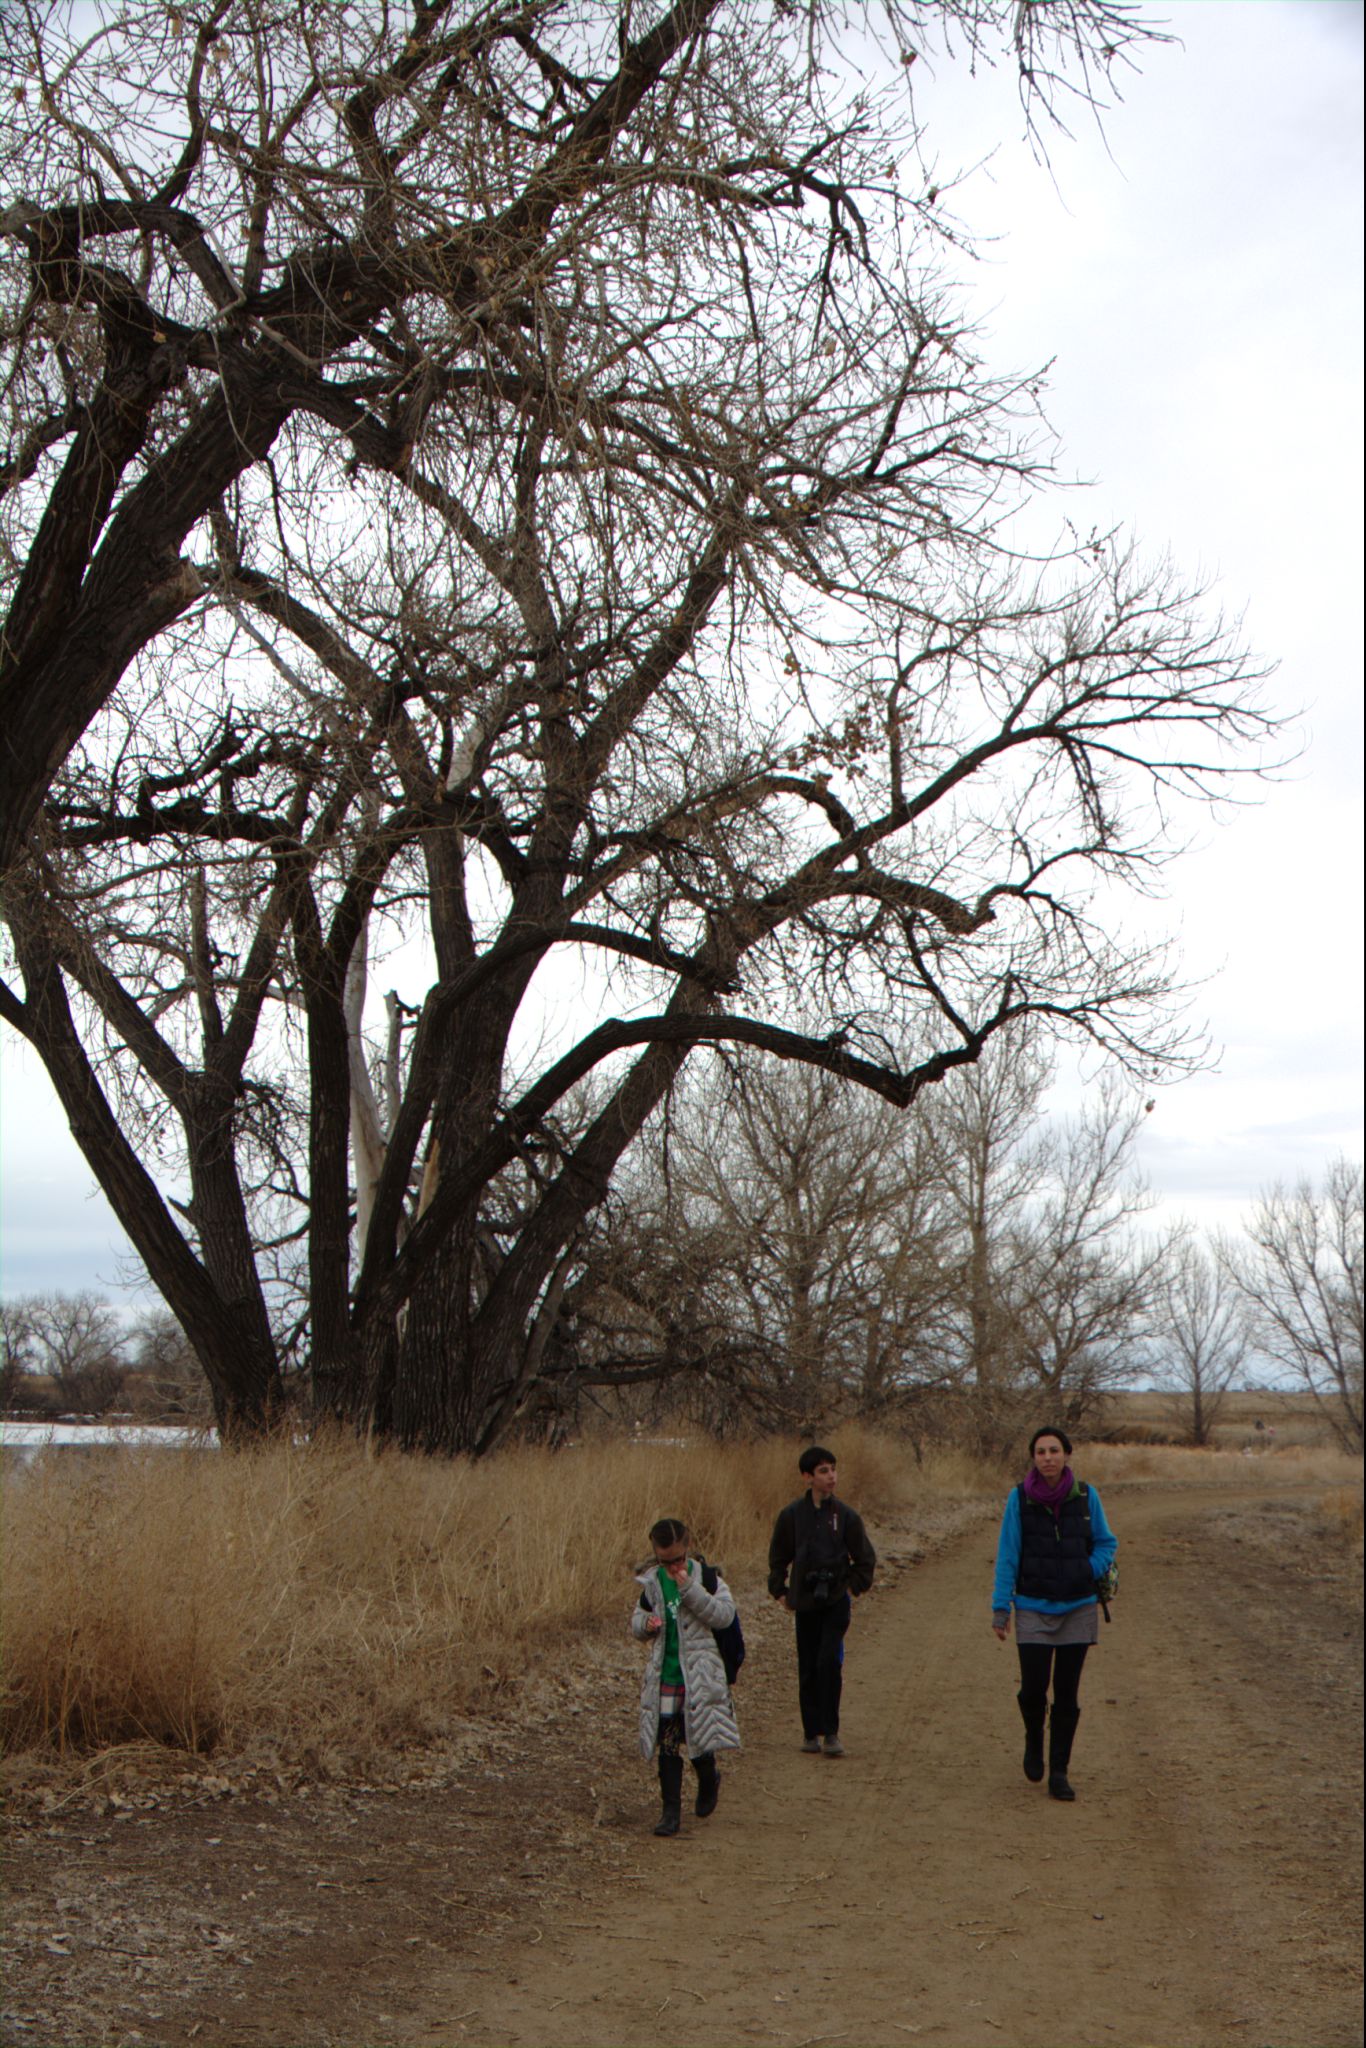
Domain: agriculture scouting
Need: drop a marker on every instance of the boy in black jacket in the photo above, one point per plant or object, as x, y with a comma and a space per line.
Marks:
819, 1556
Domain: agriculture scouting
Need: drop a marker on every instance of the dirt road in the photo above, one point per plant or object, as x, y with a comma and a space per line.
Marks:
1204, 1889
923, 1890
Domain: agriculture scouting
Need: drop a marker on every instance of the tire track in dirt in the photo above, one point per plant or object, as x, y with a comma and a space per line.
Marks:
1199, 1892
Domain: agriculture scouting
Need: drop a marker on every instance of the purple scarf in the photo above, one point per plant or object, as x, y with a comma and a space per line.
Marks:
1050, 1497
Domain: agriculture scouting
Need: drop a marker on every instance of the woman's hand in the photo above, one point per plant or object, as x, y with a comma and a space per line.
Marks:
1000, 1629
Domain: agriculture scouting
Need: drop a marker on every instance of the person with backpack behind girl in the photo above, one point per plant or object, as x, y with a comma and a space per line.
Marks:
1055, 1551
684, 1695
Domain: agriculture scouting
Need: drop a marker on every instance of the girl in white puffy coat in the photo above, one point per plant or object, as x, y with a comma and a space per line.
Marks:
684, 1698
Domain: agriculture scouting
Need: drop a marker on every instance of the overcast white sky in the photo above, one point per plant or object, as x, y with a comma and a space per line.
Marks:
1197, 278
1200, 287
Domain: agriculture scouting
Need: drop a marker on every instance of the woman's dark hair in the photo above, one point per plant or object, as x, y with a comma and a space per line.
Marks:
670, 1530
1061, 1434
812, 1456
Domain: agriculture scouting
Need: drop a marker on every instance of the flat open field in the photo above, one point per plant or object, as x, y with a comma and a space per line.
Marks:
1205, 1889
1260, 1421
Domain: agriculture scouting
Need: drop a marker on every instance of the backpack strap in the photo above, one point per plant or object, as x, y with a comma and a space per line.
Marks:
711, 1578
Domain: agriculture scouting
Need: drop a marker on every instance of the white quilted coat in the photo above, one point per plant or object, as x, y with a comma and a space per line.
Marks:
708, 1716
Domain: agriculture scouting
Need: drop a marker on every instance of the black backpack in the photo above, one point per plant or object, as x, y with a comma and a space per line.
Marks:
730, 1640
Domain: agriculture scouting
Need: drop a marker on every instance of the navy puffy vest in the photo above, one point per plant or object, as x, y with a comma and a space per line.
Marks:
1055, 1551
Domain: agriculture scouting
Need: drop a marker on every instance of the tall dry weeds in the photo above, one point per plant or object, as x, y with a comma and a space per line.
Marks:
324, 1597
1341, 1514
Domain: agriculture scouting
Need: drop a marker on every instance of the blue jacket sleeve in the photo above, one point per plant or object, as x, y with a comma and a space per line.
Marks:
1104, 1542
1008, 1556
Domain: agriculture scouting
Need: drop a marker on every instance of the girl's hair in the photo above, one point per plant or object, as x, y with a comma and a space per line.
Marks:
1060, 1434
670, 1530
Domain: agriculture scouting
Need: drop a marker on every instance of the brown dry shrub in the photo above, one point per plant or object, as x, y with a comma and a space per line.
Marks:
1341, 1512
323, 1597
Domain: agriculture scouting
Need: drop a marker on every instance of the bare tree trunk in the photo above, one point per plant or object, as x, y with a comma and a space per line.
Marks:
367, 1129
226, 1324
227, 1249
323, 971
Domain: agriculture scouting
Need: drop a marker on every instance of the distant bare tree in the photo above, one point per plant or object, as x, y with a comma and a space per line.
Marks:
165, 1373
1200, 1333
78, 1341
1088, 1274
1053, 1278
1302, 1277
18, 1349
986, 1129
774, 1251
779, 1253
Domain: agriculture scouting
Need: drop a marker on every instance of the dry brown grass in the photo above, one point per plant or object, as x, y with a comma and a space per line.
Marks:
1176, 1465
1266, 1420
325, 1598
324, 1601
1341, 1512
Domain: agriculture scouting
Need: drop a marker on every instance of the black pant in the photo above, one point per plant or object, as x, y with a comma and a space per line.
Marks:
820, 1666
1066, 1662
669, 1735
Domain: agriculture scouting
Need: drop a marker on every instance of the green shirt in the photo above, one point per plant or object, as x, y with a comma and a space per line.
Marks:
671, 1670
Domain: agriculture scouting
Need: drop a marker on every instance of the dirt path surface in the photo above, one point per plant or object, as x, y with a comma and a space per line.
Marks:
922, 1889
1204, 1889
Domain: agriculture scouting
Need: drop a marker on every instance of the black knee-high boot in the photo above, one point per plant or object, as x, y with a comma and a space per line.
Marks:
1061, 1729
708, 1785
1033, 1712
670, 1792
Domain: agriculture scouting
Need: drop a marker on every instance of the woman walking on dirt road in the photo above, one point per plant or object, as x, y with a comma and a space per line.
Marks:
1054, 1548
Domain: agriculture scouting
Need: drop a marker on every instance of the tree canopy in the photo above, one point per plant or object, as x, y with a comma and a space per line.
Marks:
512, 473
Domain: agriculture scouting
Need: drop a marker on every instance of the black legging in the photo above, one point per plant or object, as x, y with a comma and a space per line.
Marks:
1065, 1662
669, 1733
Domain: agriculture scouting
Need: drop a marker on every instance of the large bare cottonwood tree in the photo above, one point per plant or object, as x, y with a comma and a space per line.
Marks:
511, 474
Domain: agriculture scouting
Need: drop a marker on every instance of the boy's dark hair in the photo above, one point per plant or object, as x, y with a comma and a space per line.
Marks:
1060, 1434
669, 1530
813, 1455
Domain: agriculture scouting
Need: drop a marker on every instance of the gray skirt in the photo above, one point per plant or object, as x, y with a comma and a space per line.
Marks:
1058, 1631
